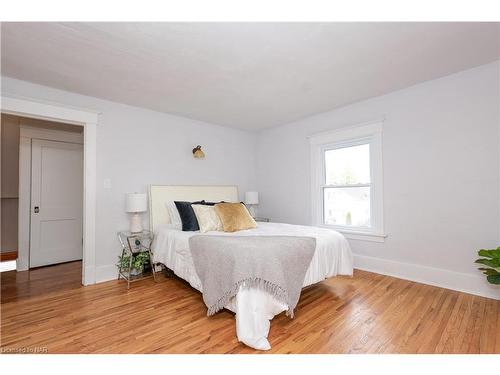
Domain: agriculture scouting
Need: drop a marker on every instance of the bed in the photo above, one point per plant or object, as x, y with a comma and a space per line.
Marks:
254, 308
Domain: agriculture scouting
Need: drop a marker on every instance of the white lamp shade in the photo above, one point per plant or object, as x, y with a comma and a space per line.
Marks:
251, 197
136, 202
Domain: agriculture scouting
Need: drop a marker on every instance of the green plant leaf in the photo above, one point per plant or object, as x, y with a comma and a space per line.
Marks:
489, 271
123, 262
490, 258
494, 279
495, 253
494, 263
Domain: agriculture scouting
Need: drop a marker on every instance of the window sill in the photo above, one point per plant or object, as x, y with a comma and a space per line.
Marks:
358, 234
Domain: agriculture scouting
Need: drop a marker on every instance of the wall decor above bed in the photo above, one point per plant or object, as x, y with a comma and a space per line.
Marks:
198, 152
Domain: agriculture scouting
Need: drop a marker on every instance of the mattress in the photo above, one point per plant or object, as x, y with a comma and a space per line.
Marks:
332, 256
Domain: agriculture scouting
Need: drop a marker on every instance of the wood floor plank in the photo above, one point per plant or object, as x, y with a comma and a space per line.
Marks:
368, 313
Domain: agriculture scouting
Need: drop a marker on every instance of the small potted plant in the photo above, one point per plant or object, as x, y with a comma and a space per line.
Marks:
490, 259
140, 261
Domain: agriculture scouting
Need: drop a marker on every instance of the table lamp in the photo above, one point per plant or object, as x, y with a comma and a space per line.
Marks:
251, 200
135, 204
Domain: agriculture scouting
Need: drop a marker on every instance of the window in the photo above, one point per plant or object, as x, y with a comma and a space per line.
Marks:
346, 189
347, 181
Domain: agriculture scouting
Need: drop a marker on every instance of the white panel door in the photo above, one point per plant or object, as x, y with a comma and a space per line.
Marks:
56, 202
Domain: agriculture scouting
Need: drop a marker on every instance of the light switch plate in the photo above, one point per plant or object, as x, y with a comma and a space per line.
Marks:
107, 183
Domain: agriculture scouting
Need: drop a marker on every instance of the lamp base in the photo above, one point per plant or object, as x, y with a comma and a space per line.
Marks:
252, 210
135, 223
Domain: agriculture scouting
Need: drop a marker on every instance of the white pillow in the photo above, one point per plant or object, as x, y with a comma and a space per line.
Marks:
175, 218
207, 218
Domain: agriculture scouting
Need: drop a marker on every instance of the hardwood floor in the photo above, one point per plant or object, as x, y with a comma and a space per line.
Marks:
41, 281
11, 255
368, 313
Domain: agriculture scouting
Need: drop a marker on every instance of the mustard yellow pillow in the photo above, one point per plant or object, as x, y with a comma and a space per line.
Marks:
234, 217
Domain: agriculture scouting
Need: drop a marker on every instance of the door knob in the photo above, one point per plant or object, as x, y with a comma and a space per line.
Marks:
37, 209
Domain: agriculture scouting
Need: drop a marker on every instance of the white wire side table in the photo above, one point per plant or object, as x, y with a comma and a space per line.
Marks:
134, 245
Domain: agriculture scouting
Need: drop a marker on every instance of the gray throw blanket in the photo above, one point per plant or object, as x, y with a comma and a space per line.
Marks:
275, 264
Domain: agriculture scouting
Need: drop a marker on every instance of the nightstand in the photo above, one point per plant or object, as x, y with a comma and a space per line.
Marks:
135, 245
262, 219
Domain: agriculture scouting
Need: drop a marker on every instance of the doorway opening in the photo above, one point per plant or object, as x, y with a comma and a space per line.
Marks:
42, 193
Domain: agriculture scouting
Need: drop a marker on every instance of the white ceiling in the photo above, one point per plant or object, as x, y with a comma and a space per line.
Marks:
242, 75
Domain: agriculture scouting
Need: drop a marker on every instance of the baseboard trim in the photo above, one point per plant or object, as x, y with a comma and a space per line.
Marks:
462, 282
106, 273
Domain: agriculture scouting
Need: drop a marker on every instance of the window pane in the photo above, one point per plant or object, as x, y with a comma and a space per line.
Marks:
347, 206
348, 165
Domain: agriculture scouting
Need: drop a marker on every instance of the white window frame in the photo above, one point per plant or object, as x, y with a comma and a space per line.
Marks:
370, 133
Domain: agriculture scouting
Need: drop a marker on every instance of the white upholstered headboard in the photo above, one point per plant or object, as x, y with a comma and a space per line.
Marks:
159, 195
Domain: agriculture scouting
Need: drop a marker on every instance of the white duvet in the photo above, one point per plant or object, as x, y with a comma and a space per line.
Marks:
254, 308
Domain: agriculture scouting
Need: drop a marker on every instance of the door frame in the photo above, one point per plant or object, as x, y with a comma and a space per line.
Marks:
26, 135
27, 107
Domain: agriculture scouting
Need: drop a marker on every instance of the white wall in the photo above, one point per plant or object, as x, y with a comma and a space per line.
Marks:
441, 170
137, 147
441, 176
